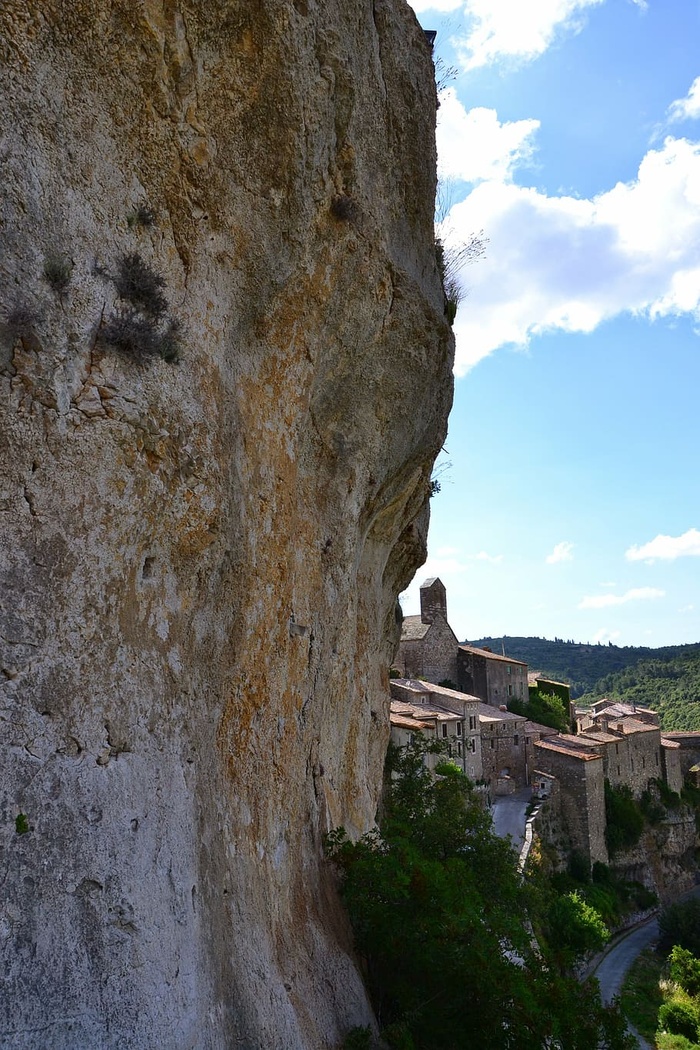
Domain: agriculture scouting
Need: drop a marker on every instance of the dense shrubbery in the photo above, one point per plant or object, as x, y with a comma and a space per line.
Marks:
624, 818
545, 708
440, 916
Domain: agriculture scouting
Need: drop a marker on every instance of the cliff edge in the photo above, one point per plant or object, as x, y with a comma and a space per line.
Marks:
200, 557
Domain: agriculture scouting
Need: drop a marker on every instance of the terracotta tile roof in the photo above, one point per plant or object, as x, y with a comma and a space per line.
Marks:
672, 745
404, 722
683, 736
536, 676
491, 656
442, 690
629, 725
423, 711
555, 744
413, 629
599, 736
535, 727
618, 710
487, 713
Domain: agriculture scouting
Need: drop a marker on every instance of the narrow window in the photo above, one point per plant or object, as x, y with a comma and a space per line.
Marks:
459, 729
516, 739
444, 728
492, 743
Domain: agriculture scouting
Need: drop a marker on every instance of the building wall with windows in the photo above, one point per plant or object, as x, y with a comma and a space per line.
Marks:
494, 679
453, 718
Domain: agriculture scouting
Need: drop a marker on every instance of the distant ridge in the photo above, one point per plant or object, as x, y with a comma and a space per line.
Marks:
583, 664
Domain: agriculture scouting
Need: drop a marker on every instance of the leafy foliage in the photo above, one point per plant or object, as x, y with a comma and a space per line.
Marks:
440, 919
679, 924
545, 708
624, 818
140, 329
684, 969
679, 1018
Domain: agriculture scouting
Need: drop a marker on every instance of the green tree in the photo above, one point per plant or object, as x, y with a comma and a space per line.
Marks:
574, 928
679, 924
624, 818
684, 969
545, 708
439, 913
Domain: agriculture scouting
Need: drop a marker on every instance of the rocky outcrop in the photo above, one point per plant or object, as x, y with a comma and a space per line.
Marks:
665, 857
200, 560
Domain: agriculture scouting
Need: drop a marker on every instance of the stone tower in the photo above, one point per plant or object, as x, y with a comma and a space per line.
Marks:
433, 600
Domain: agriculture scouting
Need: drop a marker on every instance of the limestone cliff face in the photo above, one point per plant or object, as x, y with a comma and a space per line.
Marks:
200, 560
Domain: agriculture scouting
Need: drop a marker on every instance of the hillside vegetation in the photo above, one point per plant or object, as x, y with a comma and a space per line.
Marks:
665, 679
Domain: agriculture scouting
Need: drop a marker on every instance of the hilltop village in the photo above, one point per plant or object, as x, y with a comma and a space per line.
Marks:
459, 694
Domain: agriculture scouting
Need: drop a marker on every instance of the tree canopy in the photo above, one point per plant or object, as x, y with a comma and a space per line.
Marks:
442, 923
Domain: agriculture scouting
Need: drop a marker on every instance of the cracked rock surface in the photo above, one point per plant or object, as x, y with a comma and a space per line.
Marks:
199, 560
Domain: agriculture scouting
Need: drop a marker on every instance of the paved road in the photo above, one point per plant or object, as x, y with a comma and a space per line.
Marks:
612, 968
508, 815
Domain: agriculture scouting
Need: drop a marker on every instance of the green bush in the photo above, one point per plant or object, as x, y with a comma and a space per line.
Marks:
624, 818
684, 969
666, 1041
679, 1018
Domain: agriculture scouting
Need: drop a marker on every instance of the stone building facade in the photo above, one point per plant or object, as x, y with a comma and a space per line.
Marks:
494, 679
428, 646
503, 749
580, 796
439, 713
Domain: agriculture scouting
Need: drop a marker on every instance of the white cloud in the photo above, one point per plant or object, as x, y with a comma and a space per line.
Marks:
600, 601
513, 29
473, 145
687, 608
493, 559
569, 264
562, 552
667, 548
687, 108
604, 635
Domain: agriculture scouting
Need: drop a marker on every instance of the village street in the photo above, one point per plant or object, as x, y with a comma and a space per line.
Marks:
508, 813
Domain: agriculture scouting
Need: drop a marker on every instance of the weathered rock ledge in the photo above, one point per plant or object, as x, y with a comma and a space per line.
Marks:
199, 561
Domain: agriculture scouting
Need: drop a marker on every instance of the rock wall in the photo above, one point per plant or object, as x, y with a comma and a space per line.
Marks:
199, 561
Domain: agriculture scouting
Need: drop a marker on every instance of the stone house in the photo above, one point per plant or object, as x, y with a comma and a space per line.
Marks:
573, 778
446, 715
626, 751
428, 645
494, 679
503, 749
603, 711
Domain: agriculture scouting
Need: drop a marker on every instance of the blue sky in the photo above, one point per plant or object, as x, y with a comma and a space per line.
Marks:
570, 135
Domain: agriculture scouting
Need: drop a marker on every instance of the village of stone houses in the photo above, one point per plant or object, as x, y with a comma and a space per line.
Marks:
538, 782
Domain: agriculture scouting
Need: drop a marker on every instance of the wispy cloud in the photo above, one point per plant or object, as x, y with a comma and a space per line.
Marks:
687, 108
600, 601
604, 635
562, 552
493, 559
513, 30
568, 264
667, 548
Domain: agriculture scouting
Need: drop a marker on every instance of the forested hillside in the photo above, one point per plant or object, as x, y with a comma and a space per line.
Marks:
670, 686
666, 679
582, 664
